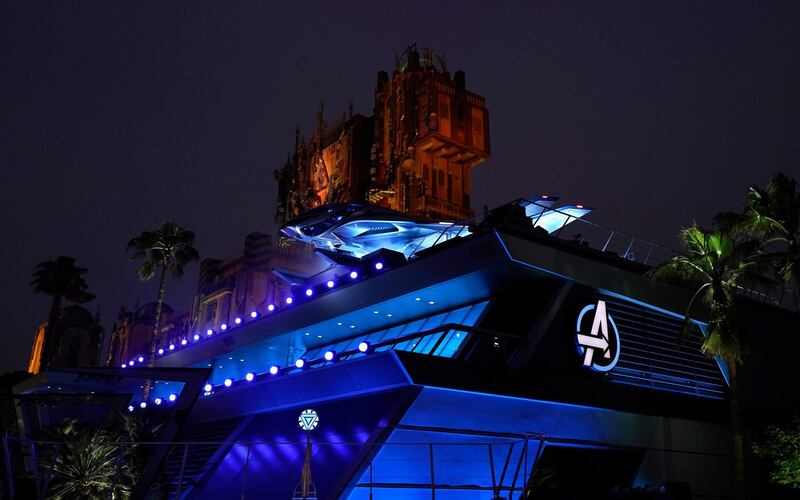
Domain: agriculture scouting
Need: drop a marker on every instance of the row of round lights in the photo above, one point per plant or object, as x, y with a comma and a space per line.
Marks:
157, 401
379, 266
300, 364
274, 370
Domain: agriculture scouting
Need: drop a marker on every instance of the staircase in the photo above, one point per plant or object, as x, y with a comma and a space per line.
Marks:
200, 457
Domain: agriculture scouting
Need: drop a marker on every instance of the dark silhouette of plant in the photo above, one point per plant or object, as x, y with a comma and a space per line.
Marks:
166, 250
773, 216
62, 279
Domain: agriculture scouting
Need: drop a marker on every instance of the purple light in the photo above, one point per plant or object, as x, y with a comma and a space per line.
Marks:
223, 326
271, 307
141, 358
161, 351
183, 341
130, 363
300, 363
228, 382
379, 265
274, 369
309, 292
254, 314
289, 300
208, 387
363, 346
172, 347
196, 337
330, 355
330, 283
173, 397
124, 365
209, 332
238, 320
250, 376
353, 274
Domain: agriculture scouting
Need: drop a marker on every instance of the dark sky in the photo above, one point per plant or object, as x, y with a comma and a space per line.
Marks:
117, 116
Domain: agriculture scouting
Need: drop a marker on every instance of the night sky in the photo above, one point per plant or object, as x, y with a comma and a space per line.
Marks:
115, 117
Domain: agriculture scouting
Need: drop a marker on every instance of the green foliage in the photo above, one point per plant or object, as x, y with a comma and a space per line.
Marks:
717, 263
169, 247
90, 463
62, 278
772, 215
781, 445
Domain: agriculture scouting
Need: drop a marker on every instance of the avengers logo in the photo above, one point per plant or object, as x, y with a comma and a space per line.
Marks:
597, 345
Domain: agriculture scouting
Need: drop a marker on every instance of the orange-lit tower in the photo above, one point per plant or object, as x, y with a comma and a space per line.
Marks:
429, 132
415, 155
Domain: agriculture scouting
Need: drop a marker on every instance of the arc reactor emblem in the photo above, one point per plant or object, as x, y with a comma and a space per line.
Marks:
308, 420
599, 347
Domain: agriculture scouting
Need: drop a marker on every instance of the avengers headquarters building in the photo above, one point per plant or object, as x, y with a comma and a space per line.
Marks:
522, 354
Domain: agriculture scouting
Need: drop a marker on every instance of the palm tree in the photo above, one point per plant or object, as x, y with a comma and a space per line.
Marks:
773, 215
716, 266
166, 250
62, 279
90, 462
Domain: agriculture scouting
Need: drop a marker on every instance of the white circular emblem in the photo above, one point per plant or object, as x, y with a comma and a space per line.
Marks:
597, 344
308, 420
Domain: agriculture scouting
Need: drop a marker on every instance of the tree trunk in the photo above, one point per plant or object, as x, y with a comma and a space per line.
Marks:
49, 345
162, 281
737, 432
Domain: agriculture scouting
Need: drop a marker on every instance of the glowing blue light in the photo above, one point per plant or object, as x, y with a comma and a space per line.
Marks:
209, 332
289, 300
141, 359
274, 369
183, 342
142, 405
130, 408
196, 337
208, 387
363, 346
554, 219
238, 320
353, 275
130, 363
330, 355
379, 265
157, 401
330, 283
172, 347
271, 307
223, 326
250, 376
228, 382
161, 351
124, 365
309, 292
300, 363
173, 397
254, 314
361, 230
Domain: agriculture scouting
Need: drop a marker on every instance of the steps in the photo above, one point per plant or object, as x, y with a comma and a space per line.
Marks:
200, 457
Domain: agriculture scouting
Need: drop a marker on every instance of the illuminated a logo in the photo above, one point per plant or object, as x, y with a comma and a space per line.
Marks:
598, 346
308, 420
